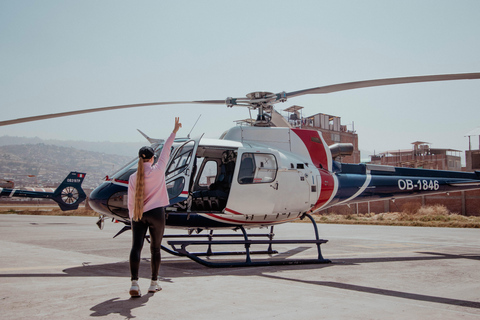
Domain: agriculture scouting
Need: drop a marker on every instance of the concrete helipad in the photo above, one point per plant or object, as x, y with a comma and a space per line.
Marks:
65, 268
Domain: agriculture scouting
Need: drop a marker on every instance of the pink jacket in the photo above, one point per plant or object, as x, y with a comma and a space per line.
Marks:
155, 187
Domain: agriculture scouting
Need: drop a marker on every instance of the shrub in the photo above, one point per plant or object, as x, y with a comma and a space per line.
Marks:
411, 207
437, 210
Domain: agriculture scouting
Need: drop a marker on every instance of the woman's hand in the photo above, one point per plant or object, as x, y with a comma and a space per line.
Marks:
178, 125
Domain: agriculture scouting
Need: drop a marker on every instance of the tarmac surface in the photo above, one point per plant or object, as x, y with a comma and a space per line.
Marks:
66, 268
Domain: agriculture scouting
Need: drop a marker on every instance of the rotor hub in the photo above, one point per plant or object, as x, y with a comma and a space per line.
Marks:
260, 95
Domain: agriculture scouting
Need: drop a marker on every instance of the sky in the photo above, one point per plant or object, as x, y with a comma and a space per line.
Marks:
62, 55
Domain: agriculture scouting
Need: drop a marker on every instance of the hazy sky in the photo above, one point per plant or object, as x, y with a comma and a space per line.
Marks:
66, 55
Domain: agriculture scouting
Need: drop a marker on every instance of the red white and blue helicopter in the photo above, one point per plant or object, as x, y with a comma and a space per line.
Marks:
266, 174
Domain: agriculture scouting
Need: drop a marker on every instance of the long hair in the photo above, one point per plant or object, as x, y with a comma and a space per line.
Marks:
139, 191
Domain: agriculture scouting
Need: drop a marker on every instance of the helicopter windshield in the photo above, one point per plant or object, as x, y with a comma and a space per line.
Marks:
124, 173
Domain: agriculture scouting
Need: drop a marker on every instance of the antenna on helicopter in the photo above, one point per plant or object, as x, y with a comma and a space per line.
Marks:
188, 135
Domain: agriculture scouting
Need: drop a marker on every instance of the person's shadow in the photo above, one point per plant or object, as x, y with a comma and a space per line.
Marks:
122, 307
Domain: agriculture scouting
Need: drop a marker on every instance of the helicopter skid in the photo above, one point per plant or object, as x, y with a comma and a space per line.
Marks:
182, 251
179, 248
210, 236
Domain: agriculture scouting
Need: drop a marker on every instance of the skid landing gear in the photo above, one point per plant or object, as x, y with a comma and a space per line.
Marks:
246, 242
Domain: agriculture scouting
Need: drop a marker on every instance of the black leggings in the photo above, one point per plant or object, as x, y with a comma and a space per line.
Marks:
154, 221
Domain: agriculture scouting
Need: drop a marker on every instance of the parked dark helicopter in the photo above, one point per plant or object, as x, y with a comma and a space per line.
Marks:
267, 174
68, 195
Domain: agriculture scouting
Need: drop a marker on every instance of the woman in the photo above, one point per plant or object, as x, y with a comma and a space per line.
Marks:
147, 195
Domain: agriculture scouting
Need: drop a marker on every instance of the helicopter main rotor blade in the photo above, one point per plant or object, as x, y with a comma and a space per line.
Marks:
269, 98
71, 113
382, 82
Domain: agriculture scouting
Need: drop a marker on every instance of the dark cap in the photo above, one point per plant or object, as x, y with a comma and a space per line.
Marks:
146, 152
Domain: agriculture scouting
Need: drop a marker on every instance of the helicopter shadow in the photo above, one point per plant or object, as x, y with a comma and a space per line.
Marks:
176, 269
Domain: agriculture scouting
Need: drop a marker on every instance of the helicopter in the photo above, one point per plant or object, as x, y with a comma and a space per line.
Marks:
68, 195
265, 174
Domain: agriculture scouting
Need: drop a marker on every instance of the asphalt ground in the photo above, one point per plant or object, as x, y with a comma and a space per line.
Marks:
66, 268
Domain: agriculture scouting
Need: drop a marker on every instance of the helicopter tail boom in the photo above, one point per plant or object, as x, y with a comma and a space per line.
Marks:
360, 182
69, 194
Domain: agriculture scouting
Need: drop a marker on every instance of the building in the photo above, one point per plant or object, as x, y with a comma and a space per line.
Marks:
472, 156
421, 156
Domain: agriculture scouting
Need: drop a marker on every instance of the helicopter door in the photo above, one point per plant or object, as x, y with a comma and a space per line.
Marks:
179, 171
256, 181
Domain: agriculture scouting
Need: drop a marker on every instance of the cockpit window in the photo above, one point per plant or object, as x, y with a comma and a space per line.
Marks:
124, 173
175, 187
257, 168
181, 160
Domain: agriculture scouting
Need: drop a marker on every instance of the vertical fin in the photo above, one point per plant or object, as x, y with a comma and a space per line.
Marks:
69, 193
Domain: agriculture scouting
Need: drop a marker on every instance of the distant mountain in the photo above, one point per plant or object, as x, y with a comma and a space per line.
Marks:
120, 148
50, 164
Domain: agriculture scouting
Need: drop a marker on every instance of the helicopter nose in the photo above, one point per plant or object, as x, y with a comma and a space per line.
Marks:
110, 199
99, 198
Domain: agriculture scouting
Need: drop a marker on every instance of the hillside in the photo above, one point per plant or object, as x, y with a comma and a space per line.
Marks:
50, 164
121, 148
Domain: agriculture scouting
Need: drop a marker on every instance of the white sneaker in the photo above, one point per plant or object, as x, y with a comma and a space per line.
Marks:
135, 289
154, 286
